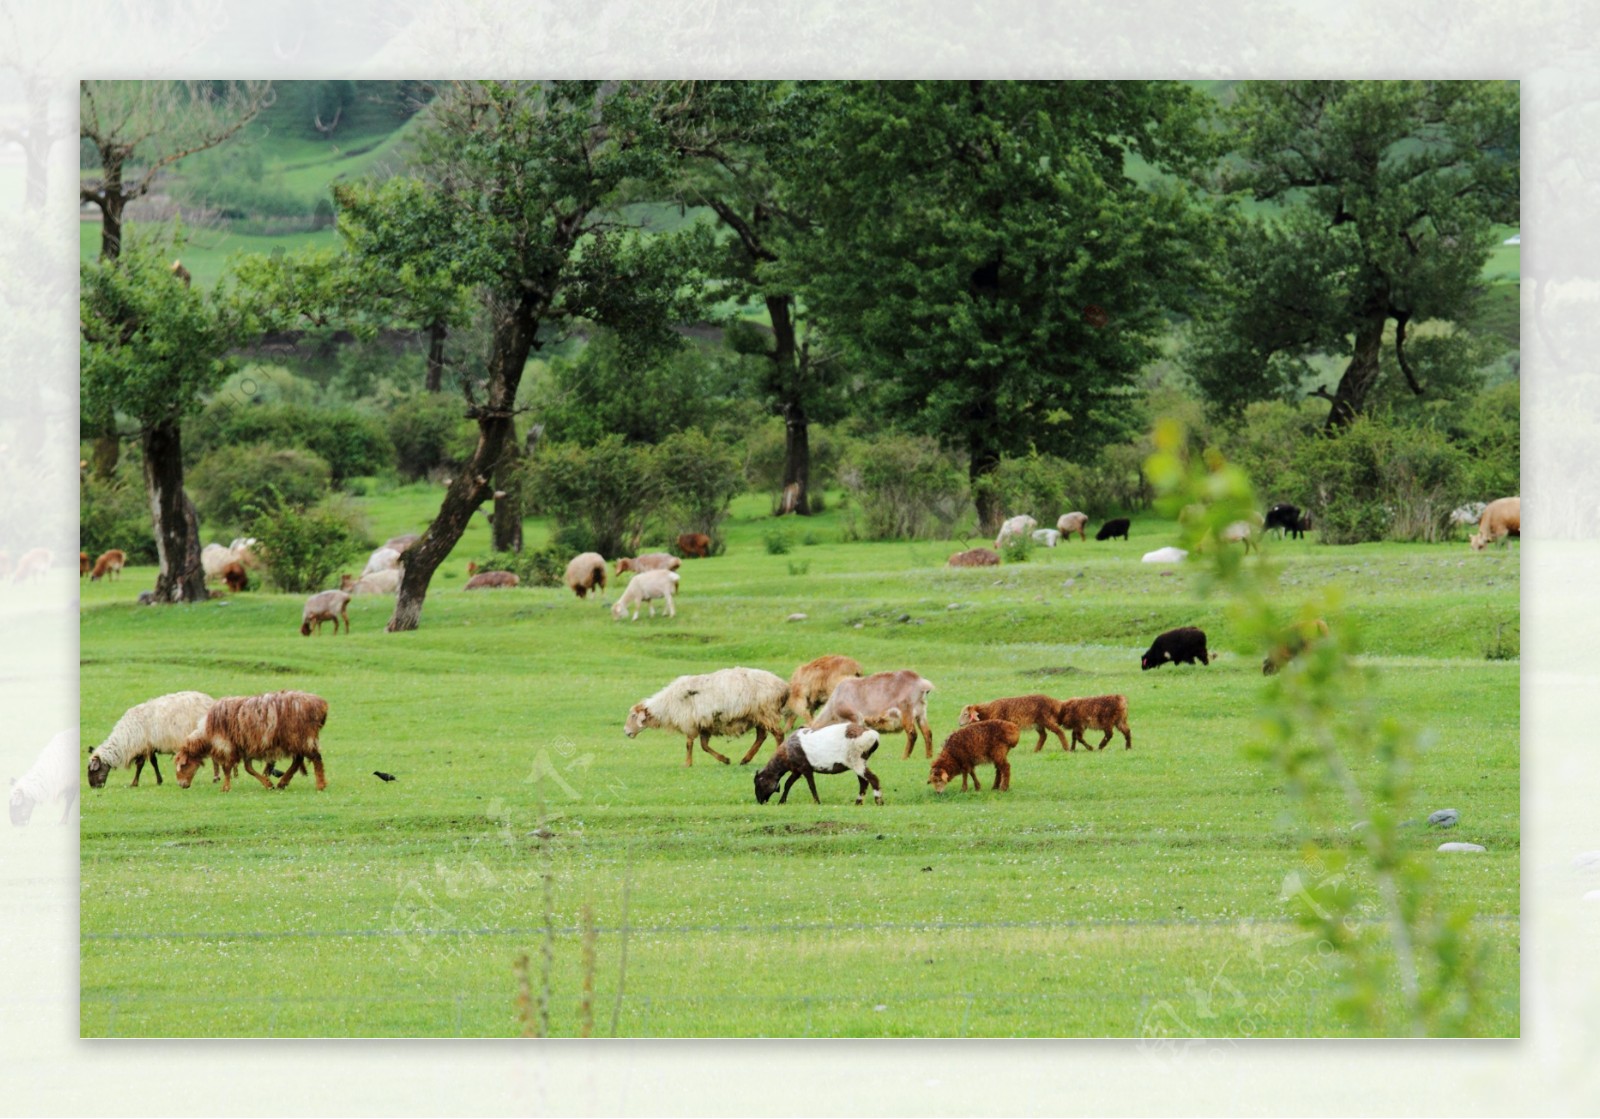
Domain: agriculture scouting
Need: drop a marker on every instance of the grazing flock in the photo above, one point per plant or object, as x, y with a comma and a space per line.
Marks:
826, 718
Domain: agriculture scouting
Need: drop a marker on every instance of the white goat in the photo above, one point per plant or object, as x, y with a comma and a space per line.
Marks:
647, 586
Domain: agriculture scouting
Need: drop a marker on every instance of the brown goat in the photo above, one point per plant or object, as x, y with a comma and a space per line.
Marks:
85, 564
109, 564
1037, 711
489, 580
975, 557
234, 575
694, 545
1301, 635
1102, 712
988, 740
257, 728
812, 684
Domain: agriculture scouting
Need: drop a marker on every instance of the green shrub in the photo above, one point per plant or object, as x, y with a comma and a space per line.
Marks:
697, 477
1017, 549
906, 488
799, 567
232, 479
116, 514
599, 497
1491, 435
1035, 485
1267, 443
302, 548
430, 431
1377, 479
352, 443
778, 542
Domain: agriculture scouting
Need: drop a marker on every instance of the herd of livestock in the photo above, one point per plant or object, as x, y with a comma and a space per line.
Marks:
842, 710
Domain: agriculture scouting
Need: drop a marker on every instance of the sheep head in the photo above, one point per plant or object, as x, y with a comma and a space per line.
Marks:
766, 785
98, 772
21, 807
969, 714
639, 718
189, 756
939, 777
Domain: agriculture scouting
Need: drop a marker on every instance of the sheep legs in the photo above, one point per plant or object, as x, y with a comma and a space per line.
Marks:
761, 736
138, 770
266, 782
863, 779
705, 744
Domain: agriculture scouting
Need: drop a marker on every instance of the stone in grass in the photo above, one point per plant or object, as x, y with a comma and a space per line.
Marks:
1460, 847
1444, 818
795, 618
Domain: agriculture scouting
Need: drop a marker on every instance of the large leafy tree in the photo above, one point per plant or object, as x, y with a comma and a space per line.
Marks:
742, 145
984, 253
1385, 195
134, 131
527, 177
151, 346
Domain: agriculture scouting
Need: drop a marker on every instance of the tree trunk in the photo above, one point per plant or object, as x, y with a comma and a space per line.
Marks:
797, 457
111, 204
982, 461
1361, 374
436, 336
177, 529
514, 332
506, 526
789, 376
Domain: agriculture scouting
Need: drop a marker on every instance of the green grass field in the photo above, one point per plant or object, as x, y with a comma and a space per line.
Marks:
1111, 893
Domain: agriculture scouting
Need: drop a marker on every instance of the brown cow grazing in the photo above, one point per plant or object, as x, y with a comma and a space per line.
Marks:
1037, 711
884, 701
257, 728
813, 683
1102, 712
233, 574
1501, 519
1300, 635
988, 740
975, 557
490, 580
85, 564
109, 564
694, 545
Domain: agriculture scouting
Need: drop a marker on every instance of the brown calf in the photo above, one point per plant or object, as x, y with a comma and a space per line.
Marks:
1037, 711
988, 740
1102, 712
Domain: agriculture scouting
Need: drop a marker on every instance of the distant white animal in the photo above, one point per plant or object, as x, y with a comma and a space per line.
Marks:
1049, 537
1015, 529
1164, 555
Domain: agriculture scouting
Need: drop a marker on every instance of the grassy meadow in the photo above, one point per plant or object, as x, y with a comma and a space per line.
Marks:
1108, 893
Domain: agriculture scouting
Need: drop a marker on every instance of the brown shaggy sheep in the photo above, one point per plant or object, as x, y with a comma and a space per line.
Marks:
812, 684
1102, 712
1037, 711
988, 740
257, 728
85, 564
587, 572
109, 564
975, 557
234, 575
694, 545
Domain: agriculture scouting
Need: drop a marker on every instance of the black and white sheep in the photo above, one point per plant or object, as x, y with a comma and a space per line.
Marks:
157, 726
837, 749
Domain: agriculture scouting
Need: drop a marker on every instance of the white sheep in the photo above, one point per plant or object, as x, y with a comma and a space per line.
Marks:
1013, 529
726, 703
383, 559
1164, 555
647, 586
214, 558
54, 774
157, 726
1049, 537
379, 582
586, 572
